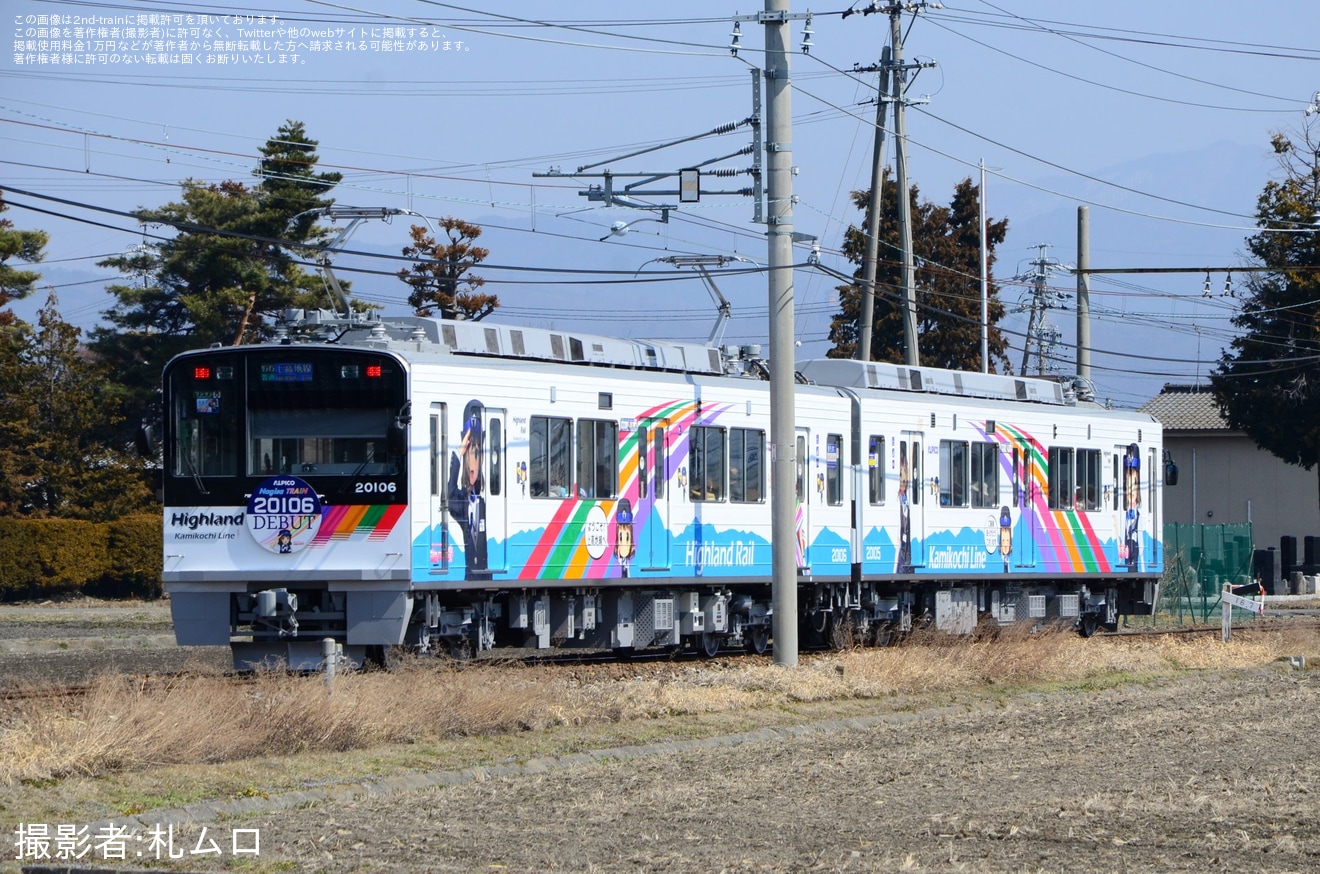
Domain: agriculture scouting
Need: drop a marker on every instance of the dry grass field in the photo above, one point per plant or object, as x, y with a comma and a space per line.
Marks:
1030, 752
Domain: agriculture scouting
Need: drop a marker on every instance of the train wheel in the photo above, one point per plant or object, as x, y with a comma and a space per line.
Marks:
839, 636
1088, 624
710, 644
758, 639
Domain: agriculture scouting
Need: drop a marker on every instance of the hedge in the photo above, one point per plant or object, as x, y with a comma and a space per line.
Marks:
41, 558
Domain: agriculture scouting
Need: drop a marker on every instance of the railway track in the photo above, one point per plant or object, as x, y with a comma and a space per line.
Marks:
66, 676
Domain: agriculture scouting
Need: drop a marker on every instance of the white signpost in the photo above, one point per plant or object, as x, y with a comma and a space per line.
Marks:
1229, 601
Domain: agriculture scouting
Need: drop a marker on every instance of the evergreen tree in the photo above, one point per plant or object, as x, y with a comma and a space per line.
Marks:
441, 282
16, 284
225, 273
1267, 383
946, 251
56, 408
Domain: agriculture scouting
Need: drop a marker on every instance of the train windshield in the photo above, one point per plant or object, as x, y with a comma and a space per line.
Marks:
266, 413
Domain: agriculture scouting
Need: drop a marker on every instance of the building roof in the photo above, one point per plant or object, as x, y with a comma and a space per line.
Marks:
1186, 408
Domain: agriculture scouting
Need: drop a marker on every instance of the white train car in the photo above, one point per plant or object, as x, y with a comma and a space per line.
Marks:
473, 485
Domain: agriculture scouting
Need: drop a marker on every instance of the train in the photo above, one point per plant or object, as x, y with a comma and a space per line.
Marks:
467, 486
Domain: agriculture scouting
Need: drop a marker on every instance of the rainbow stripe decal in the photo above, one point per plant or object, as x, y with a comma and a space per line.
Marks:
1069, 542
357, 521
561, 552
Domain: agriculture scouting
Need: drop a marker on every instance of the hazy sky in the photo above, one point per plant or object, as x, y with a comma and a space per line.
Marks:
1156, 115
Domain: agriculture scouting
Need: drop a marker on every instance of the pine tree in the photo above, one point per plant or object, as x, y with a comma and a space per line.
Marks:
225, 273
16, 284
441, 281
946, 247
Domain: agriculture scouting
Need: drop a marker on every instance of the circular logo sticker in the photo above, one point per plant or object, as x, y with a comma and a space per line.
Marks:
284, 514
595, 531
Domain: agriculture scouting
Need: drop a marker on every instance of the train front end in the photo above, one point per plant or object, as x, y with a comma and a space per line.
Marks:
285, 490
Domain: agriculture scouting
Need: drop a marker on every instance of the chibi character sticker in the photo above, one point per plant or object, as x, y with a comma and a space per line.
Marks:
1005, 535
466, 491
904, 512
285, 541
1132, 507
625, 545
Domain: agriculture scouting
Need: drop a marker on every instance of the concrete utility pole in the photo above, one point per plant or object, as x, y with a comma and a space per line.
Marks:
1084, 292
873, 212
911, 357
779, 234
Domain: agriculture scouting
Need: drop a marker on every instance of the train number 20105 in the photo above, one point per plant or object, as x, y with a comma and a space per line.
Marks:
374, 488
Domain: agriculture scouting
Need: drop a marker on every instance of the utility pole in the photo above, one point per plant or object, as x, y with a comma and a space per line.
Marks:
1040, 333
873, 212
911, 357
779, 235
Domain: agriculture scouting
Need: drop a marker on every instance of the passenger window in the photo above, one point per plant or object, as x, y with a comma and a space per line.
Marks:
875, 469
707, 455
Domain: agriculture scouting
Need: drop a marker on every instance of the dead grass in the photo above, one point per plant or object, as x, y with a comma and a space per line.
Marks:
121, 725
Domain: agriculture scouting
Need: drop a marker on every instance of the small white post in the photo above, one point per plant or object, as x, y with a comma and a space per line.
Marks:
329, 659
1228, 615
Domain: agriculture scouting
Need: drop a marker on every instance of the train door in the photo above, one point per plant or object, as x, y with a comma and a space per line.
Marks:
1025, 489
802, 498
439, 528
497, 491
912, 506
652, 488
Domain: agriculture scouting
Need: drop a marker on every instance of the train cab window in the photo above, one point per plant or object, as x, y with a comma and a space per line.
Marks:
206, 429
597, 458
833, 470
1062, 478
706, 451
549, 453
1088, 479
953, 473
746, 473
985, 475
875, 469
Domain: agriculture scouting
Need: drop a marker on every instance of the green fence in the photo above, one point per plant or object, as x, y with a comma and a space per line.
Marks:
1198, 561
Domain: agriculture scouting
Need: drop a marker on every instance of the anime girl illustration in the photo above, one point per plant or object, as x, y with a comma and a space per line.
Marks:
1132, 506
904, 512
625, 545
466, 491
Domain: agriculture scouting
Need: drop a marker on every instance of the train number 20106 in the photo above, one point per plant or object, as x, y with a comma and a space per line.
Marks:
374, 488
283, 504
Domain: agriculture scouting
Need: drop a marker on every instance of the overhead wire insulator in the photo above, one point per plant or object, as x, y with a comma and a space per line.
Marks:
735, 44
807, 34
